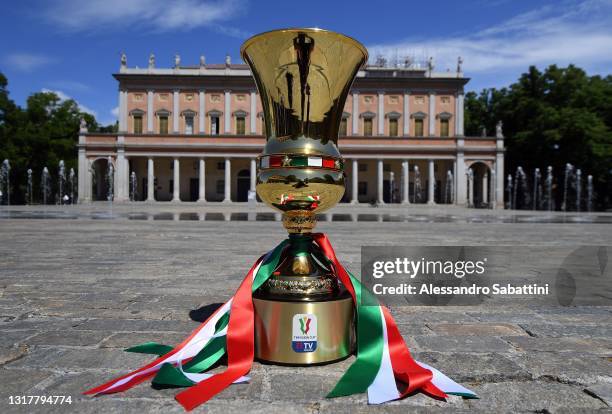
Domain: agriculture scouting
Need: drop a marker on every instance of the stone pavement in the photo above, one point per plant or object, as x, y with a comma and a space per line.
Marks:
74, 293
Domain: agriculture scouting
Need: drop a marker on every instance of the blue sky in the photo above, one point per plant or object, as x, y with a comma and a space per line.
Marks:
73, 46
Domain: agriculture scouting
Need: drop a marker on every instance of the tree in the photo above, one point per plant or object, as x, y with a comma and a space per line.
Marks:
40, 135
551, 118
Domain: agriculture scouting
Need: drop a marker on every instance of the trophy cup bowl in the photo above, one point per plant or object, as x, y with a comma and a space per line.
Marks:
303, 77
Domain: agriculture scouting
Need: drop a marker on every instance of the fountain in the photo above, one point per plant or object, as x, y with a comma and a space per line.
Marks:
29, 194
45, 184
71, 184
5, 182
537, 189
133, 183
578, 186
61, 180
417, 185
509, 192
470, 185
448, 188
549, 184
568, 174
521, 193
589, 193
110, 179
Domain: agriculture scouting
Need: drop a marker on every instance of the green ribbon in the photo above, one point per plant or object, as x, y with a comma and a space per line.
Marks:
168, 374
150, 348
370, 346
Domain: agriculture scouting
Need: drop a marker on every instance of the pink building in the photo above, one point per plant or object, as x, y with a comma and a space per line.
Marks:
192, 133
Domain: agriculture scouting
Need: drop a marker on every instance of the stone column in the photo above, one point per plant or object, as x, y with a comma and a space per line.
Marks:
485, 188
175, 111
431, 181
123, 110
499, 173
380, 182
121, 182
253, 186
406, 113
253, 114
381, 113
228, 181
459, 114
150, 114
460, 177
202, 112
355, 130
202, 181
355, 182
227, 116
406, 182
150, 180
432, 114
83, 170
470, 185
176, 190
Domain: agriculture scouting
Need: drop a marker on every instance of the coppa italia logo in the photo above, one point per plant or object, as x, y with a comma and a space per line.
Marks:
304, 333
305, 324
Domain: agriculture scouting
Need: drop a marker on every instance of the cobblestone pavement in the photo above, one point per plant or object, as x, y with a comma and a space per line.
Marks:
74, 293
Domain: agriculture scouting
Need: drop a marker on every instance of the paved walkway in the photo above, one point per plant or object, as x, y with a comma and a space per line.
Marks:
75, 292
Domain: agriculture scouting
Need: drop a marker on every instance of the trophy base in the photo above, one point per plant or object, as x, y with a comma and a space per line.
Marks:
304, 333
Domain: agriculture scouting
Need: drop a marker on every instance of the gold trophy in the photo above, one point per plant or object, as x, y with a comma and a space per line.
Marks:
302, 314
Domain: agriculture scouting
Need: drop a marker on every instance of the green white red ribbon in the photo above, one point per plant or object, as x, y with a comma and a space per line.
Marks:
383, 368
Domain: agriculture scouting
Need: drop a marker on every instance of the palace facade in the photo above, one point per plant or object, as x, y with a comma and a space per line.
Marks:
192, 133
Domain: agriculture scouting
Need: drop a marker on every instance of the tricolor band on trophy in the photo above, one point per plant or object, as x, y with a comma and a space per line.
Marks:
297, 305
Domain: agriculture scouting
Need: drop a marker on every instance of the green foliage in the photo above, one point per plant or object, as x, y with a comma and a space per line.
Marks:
40, 135
553, 117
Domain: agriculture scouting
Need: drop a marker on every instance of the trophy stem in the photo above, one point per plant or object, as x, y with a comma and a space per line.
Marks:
299, 221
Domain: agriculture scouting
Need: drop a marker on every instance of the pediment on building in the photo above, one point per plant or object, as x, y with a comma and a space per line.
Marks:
240, 113
137, 112
393, 115
419, 115
368, 115
445, 115
188, 113
162, 112
346, 115
214, 112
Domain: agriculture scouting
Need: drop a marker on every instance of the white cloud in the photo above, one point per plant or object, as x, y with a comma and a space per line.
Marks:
27, 62
92, 15
64, 97
579, 33
115, 112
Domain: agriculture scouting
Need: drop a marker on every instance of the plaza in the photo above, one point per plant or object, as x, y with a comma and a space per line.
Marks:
78, 284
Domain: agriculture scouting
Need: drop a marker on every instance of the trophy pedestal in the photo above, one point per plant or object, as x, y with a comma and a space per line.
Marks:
304, 332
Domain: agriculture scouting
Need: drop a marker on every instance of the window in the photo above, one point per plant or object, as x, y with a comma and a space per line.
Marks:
137, 124
214, 125
343, 126
362, 188
163, 124
392, 127
367, 127
240, 125
188, 124
220, 187
418, 127
221, 165
444, 127
363, 167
